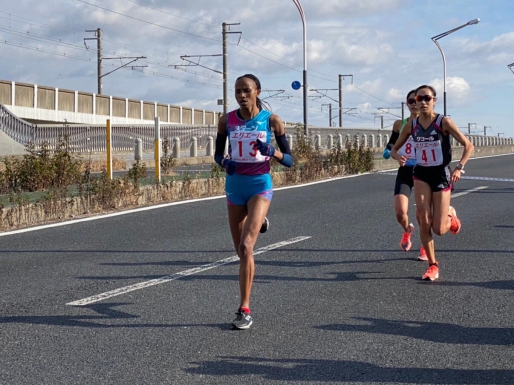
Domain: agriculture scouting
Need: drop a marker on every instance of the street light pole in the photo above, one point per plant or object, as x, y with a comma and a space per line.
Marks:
510, 67
437, 37
305, 87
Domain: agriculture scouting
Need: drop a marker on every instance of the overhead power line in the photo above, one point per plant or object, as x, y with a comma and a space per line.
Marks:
158, 62
148, 22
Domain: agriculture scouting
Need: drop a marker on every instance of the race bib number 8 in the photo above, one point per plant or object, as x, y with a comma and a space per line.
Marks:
407, 149
429, 154
242, 142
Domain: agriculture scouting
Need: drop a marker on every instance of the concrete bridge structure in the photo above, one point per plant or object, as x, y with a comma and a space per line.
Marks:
82, 117
43, 104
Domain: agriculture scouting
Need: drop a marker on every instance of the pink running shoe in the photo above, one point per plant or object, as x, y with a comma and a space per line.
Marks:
432, 273
405, 243
422, 254
455, 226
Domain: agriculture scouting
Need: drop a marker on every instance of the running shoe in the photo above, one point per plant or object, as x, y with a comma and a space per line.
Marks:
432, 273
243, 320
265, 225
405, 243
455, 226
422, 254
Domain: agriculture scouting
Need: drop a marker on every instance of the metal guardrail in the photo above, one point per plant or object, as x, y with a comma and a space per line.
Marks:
85, 138
16, 128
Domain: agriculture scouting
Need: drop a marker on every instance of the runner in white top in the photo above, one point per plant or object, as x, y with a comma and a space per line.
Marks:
404, 181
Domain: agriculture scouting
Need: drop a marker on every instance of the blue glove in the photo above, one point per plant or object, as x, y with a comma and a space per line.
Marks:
264, 148
229, 165
386, 154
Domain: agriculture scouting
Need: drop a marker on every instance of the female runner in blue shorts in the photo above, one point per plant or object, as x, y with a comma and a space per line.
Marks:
248, 183
433, 178
404, 181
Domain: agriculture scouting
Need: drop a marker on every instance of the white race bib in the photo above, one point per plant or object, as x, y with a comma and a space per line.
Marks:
429, 153
242, 142
408, 149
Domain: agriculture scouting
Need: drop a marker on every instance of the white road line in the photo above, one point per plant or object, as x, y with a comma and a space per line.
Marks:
485, 178
468, 191
146, 208
469, 178
172, 277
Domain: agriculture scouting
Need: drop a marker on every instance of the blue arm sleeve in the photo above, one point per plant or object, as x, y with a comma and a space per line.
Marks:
287, 160
221, 139
283, 145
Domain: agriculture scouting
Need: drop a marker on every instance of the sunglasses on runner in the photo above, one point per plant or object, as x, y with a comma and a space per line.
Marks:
411, 101
426, 98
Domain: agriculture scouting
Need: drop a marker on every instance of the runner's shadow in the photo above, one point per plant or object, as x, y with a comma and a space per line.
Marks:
122, 252
429, 331
260, 278
496, 285
341, 371
331, 277
104, 319
395, 251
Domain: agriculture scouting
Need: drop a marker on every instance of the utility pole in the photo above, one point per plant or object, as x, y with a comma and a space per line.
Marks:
469, 127
225, 31
341, 78
98, 38
485, 130
329, 113
403, 107
381, 120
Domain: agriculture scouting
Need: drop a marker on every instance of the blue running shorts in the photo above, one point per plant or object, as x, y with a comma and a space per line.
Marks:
241, 188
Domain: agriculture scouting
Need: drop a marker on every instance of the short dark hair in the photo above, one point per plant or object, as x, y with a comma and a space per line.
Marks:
410, 92
426, 86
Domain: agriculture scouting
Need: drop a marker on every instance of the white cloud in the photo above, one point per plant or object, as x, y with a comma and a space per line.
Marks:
457, 90
370, 39
347, 8
395, 93
366, 108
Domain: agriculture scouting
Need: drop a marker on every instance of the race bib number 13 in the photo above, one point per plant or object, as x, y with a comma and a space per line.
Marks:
242, 142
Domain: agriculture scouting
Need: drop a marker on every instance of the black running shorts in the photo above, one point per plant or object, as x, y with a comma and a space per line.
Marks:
437, 177
404, 181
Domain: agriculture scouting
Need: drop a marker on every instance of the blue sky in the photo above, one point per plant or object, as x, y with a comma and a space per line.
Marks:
384, 44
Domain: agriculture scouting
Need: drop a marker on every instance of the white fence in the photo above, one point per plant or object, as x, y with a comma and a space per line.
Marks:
86, 138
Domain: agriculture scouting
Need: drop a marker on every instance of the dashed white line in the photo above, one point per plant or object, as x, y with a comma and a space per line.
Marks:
486, 178
171, 277
468, 191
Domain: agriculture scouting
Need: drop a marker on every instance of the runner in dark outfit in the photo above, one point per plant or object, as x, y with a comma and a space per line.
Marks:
433, 178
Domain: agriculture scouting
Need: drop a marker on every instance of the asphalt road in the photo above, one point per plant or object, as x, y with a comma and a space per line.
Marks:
342, 305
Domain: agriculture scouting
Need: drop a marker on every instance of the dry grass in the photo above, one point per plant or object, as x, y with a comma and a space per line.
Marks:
101, 195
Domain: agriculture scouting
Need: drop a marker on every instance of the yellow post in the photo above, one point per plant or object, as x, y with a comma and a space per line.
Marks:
109, 150
157, 151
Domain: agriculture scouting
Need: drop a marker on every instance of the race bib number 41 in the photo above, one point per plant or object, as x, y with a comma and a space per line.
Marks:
429, 153
242, 142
